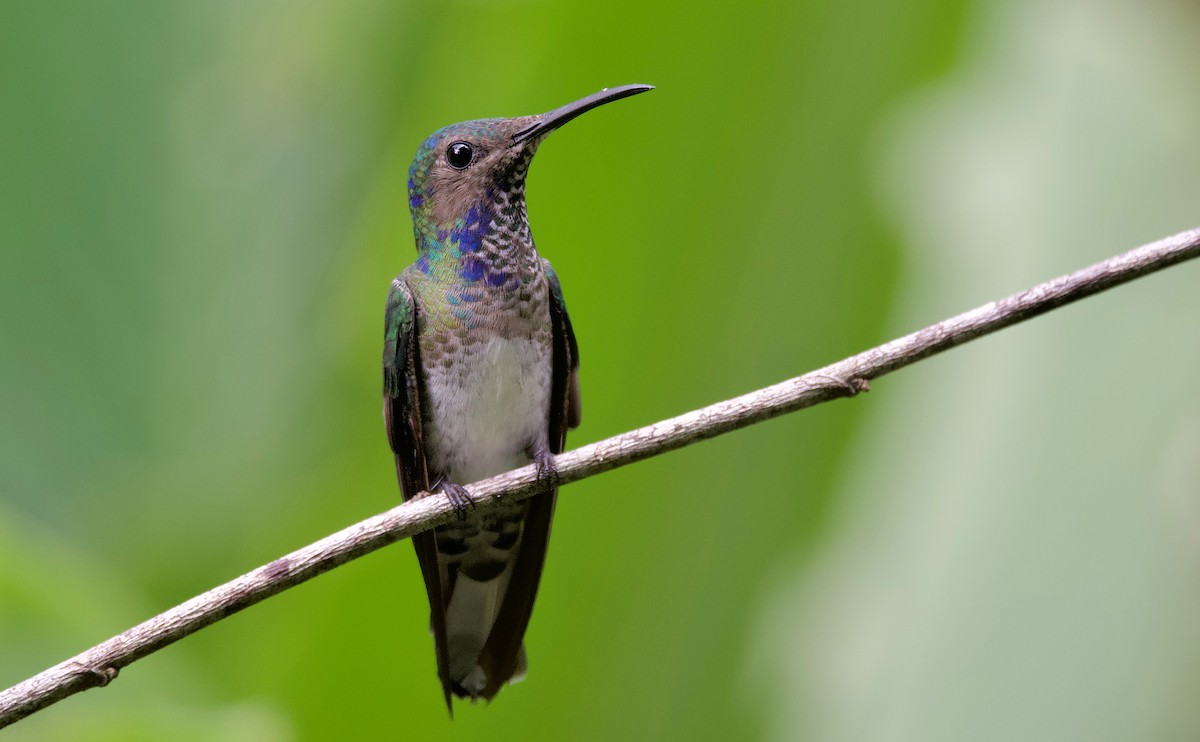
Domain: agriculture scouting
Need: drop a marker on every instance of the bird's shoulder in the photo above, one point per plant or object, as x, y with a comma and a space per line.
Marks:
552, 279
401, 307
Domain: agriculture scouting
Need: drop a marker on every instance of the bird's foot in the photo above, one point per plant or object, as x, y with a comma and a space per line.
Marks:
547, 468
458, 496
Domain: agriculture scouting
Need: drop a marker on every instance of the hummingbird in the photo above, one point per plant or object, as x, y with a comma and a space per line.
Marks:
480, 375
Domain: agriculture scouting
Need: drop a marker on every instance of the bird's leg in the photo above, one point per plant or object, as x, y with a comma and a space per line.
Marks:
457, 494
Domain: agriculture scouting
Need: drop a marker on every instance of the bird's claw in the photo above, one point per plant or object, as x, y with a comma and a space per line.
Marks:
547, 467
459, 499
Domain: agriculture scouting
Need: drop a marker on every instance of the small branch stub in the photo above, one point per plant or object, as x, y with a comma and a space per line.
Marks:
103, 676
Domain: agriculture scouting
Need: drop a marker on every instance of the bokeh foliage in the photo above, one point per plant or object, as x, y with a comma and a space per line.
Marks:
201, 205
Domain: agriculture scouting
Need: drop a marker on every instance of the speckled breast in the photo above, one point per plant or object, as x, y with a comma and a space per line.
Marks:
486, 359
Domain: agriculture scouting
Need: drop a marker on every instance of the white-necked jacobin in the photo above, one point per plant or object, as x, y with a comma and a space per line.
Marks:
480, 371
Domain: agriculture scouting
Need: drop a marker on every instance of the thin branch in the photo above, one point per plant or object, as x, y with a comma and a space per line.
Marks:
100, 664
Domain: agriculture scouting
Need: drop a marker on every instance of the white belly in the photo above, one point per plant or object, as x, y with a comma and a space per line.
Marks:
488, 408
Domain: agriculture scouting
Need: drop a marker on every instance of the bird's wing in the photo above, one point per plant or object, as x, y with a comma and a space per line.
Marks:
565, 389
502, 656
402, 417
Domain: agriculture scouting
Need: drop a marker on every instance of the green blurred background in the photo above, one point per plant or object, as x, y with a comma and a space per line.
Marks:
202, 204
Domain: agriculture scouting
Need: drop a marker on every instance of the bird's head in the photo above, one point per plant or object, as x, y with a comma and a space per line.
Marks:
475, 170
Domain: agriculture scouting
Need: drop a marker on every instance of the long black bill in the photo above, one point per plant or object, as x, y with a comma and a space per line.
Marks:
553, 119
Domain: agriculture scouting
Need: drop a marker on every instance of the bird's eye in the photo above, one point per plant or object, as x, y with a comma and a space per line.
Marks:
459, 155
